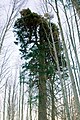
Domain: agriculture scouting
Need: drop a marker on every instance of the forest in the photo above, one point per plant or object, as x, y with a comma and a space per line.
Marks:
40, 60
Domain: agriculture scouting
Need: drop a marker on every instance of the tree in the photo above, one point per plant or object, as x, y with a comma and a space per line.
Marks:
4, 103
32, 29
11, 14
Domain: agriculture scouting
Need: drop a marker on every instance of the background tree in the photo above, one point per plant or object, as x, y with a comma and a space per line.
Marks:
10, 15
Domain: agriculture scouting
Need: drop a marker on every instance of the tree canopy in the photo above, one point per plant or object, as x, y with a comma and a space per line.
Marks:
36, 47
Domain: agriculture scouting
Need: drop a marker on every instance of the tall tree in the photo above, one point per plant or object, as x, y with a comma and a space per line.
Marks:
33, 36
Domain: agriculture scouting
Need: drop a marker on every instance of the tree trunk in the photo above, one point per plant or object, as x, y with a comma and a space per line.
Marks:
30, 100
22, 108
4, 101
52, 97
53, 104
13, 101
20, 100
42, 86
9, 105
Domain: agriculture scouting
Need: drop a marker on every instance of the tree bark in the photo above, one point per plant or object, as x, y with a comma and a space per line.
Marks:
4, 101
42, 113
53, 103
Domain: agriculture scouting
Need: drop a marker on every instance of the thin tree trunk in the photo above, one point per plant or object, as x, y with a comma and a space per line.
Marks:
53, 104
22, 108
52, 98
27, 113
9, 105
20, 100
13, 101
4, 101
30, 100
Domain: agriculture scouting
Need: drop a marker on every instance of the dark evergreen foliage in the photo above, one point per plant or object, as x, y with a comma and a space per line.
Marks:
33, 36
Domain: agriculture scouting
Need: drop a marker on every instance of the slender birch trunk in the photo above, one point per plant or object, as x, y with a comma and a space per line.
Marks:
20, 100
13, 101
30, 100
4, 108
22, 108
27, 118
9, 105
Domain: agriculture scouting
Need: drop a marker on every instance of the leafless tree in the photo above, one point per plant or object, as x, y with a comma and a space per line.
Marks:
12, 9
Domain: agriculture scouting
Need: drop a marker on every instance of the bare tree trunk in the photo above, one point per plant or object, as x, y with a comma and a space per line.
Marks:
9, 104
52, 98
30, 100
13, 101
22, 108
20, 100
27, 113
4, 101
53, 104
